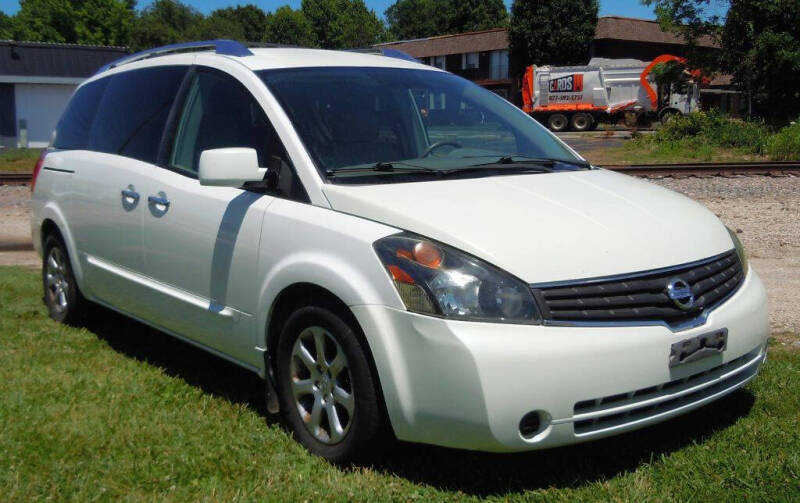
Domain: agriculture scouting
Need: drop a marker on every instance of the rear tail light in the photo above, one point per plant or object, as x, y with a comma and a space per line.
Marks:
38, 168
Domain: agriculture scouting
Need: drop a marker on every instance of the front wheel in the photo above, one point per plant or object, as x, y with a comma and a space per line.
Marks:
328, 395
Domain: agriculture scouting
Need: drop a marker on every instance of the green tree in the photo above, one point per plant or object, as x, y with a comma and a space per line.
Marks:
164, 22
290, 27
342, 24
760, 47
45, 21
410, 19
246, 22
551, 32
474, 15
104, 22
5, 26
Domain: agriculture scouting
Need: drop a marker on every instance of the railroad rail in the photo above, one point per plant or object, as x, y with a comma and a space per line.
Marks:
781, 168
15, 178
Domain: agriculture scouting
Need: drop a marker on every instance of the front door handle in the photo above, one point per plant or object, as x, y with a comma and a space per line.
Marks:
159, 200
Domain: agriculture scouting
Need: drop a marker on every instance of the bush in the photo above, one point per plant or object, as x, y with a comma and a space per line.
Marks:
785, 145
715, 129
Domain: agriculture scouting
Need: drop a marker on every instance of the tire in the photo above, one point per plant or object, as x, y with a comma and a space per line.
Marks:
581, 122
62, 296
557, 123
667, 115
313, 390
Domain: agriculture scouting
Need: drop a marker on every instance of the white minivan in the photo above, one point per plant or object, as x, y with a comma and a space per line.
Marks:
398, 252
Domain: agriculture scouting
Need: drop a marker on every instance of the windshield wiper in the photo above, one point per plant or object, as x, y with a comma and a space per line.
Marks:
499, 168
384, 167
543, 161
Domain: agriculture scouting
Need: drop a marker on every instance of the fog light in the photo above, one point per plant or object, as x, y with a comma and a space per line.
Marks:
530, 424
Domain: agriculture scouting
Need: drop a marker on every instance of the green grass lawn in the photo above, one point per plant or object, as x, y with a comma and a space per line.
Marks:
18, 160
115, 410
667, 153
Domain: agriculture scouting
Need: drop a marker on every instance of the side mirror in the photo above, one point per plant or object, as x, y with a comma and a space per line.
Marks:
229, 167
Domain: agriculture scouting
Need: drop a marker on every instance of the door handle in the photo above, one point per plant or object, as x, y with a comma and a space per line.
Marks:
130, 194
161, 201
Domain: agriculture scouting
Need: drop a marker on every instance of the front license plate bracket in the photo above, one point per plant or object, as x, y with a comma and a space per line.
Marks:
698, 347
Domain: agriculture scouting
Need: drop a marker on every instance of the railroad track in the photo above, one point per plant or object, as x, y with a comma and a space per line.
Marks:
645, 170
711, 169
15, 178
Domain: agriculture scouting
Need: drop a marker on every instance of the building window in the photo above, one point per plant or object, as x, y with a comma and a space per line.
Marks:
499, 64
438, 62
469, 60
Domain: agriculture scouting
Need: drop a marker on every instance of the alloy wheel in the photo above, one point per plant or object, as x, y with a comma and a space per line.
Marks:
56, 280
321, 385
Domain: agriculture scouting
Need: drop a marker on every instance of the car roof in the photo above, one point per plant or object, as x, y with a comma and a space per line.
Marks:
283, 57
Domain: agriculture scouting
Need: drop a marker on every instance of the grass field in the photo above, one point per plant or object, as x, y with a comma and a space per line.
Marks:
667, 153
115, 410
18, 160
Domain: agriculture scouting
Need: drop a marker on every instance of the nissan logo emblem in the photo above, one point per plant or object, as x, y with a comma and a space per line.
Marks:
680, 293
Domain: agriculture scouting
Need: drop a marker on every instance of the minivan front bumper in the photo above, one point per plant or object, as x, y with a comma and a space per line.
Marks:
468, 385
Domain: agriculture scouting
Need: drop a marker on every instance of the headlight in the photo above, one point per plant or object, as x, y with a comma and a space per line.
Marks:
739, 250
432, 278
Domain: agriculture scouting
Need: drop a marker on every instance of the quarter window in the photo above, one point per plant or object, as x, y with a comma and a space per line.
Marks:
134, 110
72, 131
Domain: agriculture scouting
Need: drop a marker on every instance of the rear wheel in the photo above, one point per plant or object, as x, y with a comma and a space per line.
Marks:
61, 294
557, 123
327, 393
667, 115
581, 121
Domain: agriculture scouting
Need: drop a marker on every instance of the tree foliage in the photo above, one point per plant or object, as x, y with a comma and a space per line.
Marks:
289, 26
246, 23
760, 47
409, 19
164, 22
340, 24
551, 32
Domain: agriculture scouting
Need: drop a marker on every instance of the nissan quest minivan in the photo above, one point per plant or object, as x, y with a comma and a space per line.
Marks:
397, 252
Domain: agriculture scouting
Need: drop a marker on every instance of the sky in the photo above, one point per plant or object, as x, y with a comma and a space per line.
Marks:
629, 8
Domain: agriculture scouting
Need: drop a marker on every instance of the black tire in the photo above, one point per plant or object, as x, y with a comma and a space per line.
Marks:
581, 121
667, 115
558, 123
62, 296
366, 436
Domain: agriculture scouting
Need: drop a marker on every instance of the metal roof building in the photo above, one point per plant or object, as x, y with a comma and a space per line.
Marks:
36, 82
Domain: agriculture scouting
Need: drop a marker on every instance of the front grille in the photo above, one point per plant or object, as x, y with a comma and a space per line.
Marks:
609, 412
642, 297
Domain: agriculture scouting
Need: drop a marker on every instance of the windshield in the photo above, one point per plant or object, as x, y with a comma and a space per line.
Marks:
420, 120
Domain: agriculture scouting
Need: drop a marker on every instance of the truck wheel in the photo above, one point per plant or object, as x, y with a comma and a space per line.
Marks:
667, 115
557, 123
326, 390
581, 121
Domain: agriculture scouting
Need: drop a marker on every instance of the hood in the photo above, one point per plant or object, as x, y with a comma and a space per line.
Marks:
548, 227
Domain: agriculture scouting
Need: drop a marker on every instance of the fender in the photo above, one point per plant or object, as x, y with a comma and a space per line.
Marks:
52, 211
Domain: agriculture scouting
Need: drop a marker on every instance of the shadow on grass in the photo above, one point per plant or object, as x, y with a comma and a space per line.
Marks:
473, 473
176, 358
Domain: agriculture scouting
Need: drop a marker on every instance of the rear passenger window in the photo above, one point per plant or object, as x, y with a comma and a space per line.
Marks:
72, 131
219, 112
134, 110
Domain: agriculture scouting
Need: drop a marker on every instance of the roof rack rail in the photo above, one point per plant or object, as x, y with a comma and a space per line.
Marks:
389, 53
225, 47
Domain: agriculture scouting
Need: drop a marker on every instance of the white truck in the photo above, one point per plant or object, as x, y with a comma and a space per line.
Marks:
579, 97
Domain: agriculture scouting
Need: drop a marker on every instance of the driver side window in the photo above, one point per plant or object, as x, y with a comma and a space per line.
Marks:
219, 112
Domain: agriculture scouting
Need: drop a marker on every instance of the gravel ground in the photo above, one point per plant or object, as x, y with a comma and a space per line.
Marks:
764, 211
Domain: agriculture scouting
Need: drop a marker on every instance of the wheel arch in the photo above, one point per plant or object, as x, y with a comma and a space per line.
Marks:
52, 221
302, 294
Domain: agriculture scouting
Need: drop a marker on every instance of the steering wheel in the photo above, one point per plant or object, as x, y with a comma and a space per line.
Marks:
431, 148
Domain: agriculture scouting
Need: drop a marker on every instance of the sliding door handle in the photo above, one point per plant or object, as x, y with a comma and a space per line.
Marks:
161, 201
130, 194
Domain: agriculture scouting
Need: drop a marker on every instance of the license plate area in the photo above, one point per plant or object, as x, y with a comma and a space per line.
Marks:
698, 347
